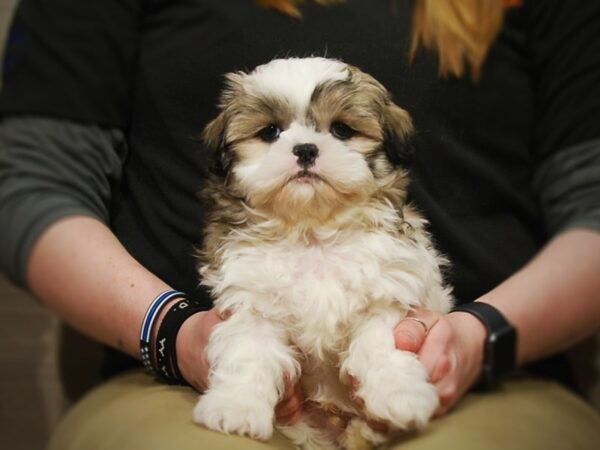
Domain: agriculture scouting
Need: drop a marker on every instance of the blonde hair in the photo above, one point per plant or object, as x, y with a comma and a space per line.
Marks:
460, 31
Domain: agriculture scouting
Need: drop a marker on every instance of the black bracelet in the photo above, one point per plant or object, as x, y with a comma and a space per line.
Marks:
148, 325
165, 348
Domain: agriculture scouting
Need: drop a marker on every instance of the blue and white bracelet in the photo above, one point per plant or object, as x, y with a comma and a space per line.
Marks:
148, 324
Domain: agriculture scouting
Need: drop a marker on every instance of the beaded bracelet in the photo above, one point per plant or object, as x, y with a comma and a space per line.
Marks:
148, 324
166, 351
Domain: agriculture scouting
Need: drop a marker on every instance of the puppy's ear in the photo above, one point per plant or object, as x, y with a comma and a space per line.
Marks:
216, 131
398, 129
214, 137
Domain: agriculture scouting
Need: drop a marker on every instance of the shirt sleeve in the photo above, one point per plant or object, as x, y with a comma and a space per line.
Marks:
569, 186
72, 59
51, 169
66, 91
565, 49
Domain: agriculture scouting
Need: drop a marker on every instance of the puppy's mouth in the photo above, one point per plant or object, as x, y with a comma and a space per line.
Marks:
306, 176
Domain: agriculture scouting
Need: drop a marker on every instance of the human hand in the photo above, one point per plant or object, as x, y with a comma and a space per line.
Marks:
449, 346
194, 366
190, 347
451, 351
293, 405
290, 406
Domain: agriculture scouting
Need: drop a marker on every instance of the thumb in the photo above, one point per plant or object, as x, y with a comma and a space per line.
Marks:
410, 334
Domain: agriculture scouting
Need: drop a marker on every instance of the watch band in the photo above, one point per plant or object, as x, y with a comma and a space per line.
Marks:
500, 349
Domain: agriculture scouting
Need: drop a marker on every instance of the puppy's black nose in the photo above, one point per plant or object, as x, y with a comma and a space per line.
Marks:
306, 153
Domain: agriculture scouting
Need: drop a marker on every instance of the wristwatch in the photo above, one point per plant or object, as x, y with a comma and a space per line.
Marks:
500, 348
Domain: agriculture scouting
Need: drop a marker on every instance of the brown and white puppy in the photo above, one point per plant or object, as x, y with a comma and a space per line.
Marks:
313, 254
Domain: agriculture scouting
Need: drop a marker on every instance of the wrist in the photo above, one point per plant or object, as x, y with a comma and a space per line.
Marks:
500, 343
148, 338
158, 336
187, 357
190, 347
473, 335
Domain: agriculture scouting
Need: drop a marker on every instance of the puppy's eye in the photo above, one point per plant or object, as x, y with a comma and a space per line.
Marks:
342, 131
270, 133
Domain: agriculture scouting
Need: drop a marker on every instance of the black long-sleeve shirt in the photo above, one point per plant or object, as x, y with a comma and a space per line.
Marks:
103, 104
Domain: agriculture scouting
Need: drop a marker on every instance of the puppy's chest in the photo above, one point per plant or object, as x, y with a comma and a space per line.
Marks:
323, 274
295, 276
316, 289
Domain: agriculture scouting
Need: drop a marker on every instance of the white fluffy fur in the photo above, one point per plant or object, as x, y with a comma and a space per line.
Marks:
294, 79
318, 308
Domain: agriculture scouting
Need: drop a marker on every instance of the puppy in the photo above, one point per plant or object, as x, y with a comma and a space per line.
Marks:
314, 255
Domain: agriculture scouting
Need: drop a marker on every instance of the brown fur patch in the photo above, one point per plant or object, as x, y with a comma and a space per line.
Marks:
358, 101
244, 114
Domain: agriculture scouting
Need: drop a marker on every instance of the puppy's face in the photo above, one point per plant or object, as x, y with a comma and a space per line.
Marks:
303, 139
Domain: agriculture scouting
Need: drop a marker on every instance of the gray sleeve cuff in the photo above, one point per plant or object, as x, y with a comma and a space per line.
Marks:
51, 169
569, 188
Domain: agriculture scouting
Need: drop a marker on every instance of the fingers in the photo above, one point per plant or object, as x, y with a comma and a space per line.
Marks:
410, 333
222, 315
441, 367
439, 355
289, 409
436, 354
450, 390
409, 336
431, 336
440, 364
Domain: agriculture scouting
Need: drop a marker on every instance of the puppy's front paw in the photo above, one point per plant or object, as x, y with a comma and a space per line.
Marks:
404, 407
398, 393
243, 415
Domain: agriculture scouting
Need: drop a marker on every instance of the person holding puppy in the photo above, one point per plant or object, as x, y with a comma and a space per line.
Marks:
100, 163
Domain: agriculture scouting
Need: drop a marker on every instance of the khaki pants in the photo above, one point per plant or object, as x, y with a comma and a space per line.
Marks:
133, 412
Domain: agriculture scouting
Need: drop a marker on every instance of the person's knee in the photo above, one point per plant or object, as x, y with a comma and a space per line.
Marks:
526, 414
134, 412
